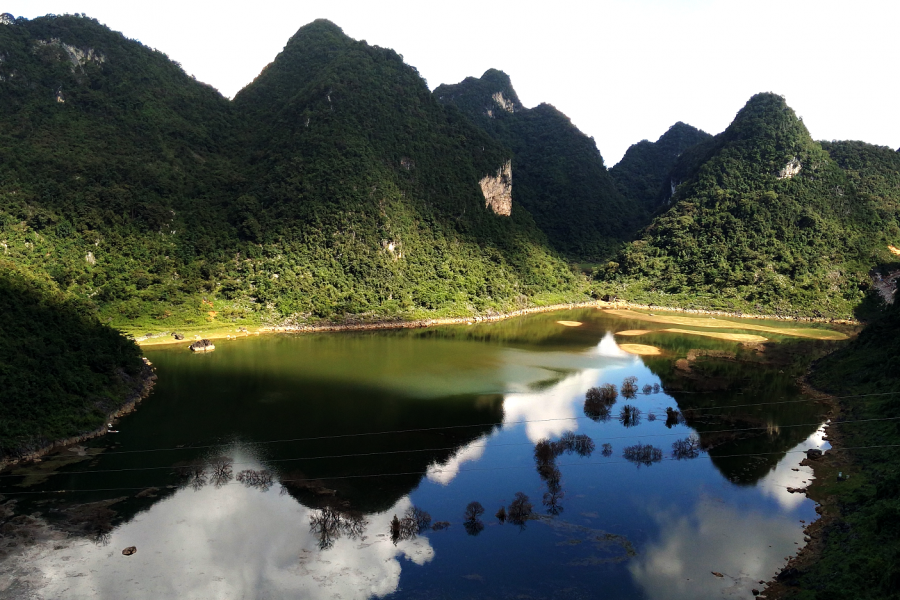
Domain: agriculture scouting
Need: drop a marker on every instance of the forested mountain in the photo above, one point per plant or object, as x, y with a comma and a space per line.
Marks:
333, 185
766, 221
559, 174
642, 174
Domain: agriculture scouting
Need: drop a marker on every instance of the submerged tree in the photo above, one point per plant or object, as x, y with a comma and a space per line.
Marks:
261, 479
647, 389
552, 499
501, 515
473, 511
673, 417
656, 388
329, 523
520, 510
607, 450
221, 468
629, 387
642, 454
598, 400
630, 416
689, 447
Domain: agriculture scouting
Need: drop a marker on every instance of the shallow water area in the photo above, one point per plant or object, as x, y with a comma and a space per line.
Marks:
274, 467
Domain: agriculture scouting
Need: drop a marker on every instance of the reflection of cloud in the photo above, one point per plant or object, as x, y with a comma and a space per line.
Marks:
776, 482
444, 473
551, 411
231, 542
744, 546
609, 347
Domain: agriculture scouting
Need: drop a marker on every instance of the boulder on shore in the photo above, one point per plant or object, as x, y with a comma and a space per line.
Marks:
178, 336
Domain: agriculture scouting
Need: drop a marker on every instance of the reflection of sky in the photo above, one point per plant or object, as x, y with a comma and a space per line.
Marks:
682, 517
231, 542
783, 476
744, 546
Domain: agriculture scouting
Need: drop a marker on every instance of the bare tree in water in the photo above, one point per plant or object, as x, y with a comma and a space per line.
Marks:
673, 417
473, 524
221, 468
630, 416
656, 388
261, 480
520, 510
642, 454
606, 450
552, 499
193, 472
629, 387
598, 400
647, 389
687, 448
329, 524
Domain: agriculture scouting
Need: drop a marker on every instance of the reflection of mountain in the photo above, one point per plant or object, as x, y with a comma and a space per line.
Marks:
231, 542
744, 547
713, 393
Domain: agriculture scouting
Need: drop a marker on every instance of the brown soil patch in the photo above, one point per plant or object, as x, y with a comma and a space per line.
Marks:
570, 323
816, 334
641, 349
633, 332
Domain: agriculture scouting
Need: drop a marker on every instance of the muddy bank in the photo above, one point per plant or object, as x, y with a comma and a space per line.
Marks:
143, 388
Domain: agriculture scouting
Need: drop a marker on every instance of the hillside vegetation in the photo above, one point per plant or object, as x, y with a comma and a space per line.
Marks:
861, 545
764, 220
61, 372
558, 172
642, 175
334, 185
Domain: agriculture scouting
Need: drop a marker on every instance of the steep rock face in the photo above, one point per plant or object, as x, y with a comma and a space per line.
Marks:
497, 190
560, 176
643, 173
743, 235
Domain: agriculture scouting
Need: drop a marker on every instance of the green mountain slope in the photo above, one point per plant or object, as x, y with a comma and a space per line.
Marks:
642, 174
763, 221
61, 372
559, 174
860, 546
334, 185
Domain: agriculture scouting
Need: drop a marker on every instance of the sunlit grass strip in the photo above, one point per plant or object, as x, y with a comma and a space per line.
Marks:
640, 349
812, 333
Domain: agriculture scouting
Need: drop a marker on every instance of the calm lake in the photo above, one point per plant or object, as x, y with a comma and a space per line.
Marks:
274, 466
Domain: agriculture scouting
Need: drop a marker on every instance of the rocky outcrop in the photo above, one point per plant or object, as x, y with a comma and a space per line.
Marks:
507, 105
7, 19
497, 190
790, 169
77, 56
202, 346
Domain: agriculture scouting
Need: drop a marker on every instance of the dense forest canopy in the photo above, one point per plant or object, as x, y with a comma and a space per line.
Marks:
642, 174
559, 174
333, 185
764, 220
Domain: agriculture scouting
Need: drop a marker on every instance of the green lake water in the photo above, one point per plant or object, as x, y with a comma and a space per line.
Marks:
326, 437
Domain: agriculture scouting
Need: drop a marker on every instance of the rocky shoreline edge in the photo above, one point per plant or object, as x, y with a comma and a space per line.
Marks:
147, 380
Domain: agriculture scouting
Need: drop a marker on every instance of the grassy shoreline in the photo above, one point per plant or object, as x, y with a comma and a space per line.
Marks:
223, 331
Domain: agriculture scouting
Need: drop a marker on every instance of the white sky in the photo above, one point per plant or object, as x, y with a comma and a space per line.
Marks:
622, 70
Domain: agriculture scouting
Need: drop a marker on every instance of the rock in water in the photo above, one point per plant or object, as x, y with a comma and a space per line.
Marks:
202, 346
129, 550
